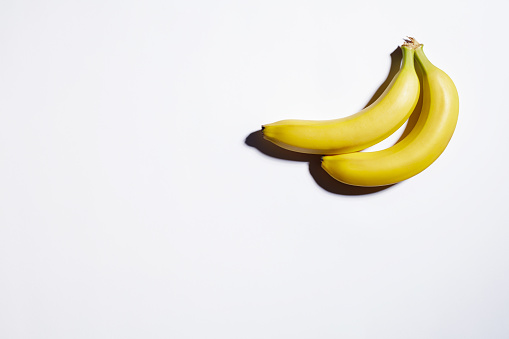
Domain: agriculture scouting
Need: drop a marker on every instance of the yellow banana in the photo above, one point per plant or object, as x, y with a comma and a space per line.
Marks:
358, 131
415, 152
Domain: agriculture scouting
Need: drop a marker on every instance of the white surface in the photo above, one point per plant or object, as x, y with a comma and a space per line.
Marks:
132, 207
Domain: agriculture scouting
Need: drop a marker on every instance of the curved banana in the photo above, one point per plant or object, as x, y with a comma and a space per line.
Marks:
415, 152
358, 131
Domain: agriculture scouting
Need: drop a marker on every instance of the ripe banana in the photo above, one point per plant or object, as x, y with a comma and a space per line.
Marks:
415, 152
358, 131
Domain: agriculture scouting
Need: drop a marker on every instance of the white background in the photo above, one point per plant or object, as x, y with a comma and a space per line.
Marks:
138, 201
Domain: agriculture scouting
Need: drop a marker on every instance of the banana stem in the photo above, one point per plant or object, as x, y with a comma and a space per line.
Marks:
411, 43
409, 47
419, 53
423, 60
408, 56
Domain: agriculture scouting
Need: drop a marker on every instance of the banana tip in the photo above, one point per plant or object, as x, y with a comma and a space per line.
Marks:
411, 42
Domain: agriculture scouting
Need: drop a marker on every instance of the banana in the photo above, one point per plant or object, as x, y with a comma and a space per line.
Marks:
358, 131
415, 152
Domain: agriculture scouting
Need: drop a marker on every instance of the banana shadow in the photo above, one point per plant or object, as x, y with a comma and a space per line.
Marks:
321, 177
396, 58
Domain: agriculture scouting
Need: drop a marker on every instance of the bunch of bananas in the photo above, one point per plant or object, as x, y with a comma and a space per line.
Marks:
340, 140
